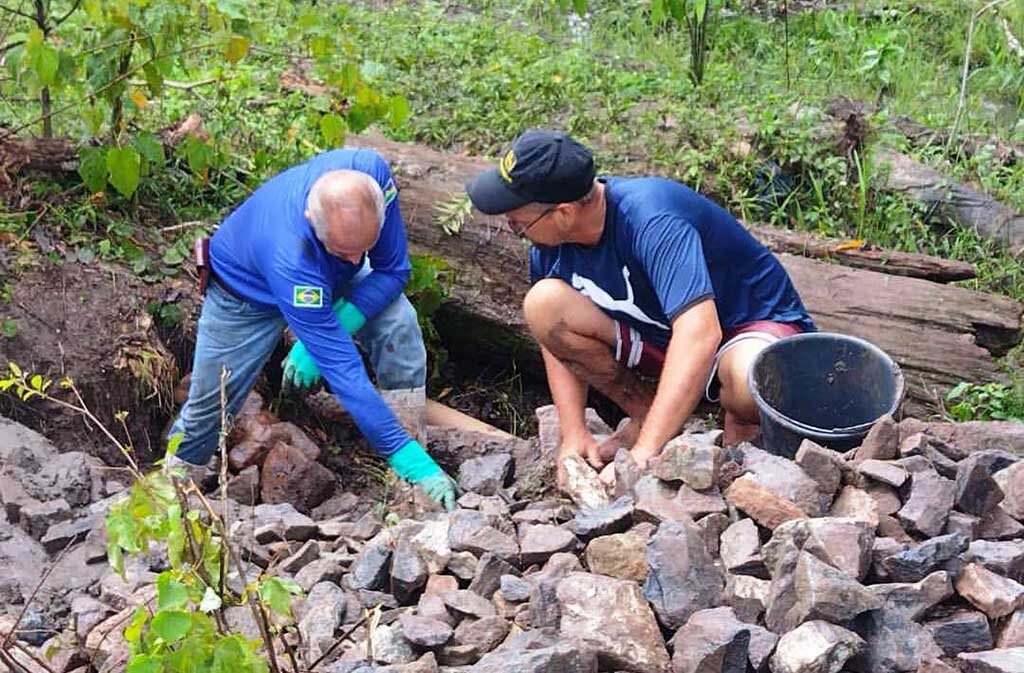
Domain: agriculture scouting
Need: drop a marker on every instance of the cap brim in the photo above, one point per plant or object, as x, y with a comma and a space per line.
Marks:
491, 195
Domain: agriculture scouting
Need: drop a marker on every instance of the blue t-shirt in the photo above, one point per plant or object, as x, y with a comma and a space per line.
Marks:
665, 248
267, 253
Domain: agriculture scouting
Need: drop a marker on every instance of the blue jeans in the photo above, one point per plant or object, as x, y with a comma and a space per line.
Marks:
241, 337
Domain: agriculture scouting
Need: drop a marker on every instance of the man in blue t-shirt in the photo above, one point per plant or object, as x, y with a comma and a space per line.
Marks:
320, 248
635, 278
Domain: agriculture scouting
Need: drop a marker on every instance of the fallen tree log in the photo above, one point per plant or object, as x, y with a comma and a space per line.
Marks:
940, 334
863, 255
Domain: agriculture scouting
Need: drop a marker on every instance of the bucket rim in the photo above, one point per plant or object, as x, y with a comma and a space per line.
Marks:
812, 430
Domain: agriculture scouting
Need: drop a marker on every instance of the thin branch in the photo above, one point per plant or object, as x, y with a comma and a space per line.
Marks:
18, 12
961, 103
342, 638
184, 86
70, 12
34, 657
114, 82
28, 602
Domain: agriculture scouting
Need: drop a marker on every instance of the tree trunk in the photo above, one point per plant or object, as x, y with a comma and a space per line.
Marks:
940, 334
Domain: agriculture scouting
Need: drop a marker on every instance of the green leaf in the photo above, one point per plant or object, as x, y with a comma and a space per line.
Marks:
174, 442
171, 625
332, 127
276, 593
399, 111
236, 49
44, 59
150, 148
211, 601
9, 327
92, 168
124, 164
145, 663
580, 7
657, 12
170, 593
133, 631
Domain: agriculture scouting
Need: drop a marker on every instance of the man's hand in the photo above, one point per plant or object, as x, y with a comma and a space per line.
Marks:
584, 446
300, 371
415, 465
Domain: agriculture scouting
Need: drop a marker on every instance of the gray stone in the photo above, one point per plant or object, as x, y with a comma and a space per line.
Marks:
321, 616
1011, 482
432, 543
432, 607
613, 518
489, 572
913, 601
965, 524
244, 487
893, 644
339, 505
786, 479
370, 569
682, 578
483, 634
326, 569
911, 565
408, 573
468, 603
976, 491
486, 475
390, 646
655, 501
307, 553
515, 589
38, 517
627, 473
741, 549
697, 505
1010, 660
611, 617
425, 632
882, 441
368, 525
815, 647
822, 465
887, 501
962, 631
693, 463
805, 588
538, 542
711, 528
883, 471
463, 565
843, 543
1012, 633
536, 652
998, 525
61, 535
282, 522
993, 594
855, 503
931, 499
747, 596
483, 539
714, 640
1005, 557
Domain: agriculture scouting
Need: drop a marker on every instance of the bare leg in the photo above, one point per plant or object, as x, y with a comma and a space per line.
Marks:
742, 421
578, 338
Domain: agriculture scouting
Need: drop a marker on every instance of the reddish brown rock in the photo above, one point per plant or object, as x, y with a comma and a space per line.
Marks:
822, 465
623, 556
1011, 481
882, 441
290, 476
764, 506
1012, 633
883, 471
993, 594
929, 504
248, 453
854, 503
293, 435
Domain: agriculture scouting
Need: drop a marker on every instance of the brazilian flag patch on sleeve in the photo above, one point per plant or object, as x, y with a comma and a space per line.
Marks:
390, 192
307, 296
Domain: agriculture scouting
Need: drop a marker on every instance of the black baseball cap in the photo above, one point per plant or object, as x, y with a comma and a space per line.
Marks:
540, 167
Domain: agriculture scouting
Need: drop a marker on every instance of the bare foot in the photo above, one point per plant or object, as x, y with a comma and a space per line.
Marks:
624, 437
737, 431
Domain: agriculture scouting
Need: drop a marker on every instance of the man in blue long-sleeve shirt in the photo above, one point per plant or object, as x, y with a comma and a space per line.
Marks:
320, 248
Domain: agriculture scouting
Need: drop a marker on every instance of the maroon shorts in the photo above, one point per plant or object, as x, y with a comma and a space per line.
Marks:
648, 359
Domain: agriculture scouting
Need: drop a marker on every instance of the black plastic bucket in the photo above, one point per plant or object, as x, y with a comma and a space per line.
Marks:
829, 388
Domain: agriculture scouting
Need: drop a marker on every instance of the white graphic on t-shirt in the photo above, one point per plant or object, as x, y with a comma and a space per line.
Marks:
600, 297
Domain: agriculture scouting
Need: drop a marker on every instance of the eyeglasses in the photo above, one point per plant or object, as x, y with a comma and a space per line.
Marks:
520, 230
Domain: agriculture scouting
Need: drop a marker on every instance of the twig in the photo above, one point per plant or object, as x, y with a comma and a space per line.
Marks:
290, 650
185, 86
222, 442
10, 662
28, 602
184, 225
342, 638
967, 66
18, 12
69, 13
1012, 42
27, 652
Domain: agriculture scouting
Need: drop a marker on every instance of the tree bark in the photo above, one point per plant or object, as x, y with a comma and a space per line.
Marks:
940, 334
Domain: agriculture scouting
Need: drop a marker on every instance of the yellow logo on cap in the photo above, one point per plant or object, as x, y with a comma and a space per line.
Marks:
507, 164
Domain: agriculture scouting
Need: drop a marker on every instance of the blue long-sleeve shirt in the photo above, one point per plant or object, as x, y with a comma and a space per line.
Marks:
267, 253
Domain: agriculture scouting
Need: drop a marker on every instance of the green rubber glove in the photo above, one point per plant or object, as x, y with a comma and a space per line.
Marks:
415, 465
300, 371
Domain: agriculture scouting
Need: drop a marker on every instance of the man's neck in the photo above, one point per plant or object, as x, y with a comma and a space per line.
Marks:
592, 218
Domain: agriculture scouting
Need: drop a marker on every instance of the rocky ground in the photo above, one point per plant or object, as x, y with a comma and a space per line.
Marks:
903, 555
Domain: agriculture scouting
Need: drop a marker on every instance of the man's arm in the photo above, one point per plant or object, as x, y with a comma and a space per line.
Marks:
569, 394
696, 334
